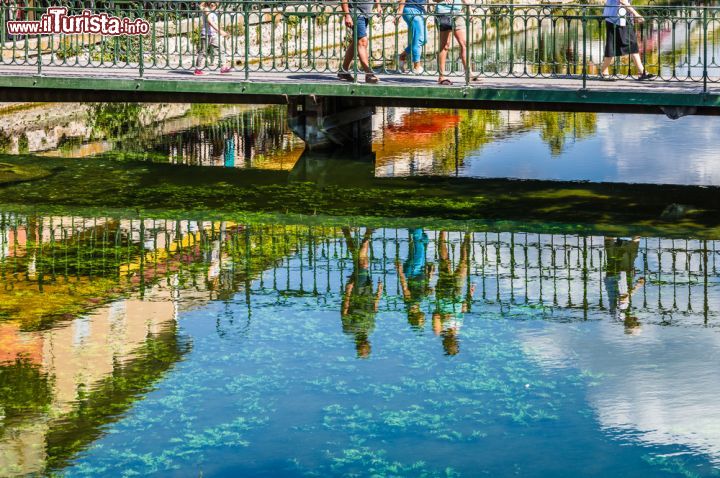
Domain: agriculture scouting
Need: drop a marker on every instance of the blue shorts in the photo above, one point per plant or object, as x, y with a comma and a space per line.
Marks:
363, 24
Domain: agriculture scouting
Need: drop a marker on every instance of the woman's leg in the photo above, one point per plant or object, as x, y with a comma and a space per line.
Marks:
202, 53
419, 35
407, 17
444, 47
460, 37
638, 63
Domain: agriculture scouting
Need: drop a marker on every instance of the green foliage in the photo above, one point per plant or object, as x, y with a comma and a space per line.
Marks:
5, 141
112, 120
14, 173
23, 144
24, 390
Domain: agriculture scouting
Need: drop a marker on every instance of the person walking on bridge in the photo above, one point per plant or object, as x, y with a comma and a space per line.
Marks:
449, 23
358, 20
413, 13
621, 38
210, 41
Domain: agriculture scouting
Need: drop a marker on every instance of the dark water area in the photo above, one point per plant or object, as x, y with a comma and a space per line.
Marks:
185, 347
407, 142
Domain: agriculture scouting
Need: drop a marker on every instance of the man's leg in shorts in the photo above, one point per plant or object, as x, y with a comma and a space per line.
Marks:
362, 50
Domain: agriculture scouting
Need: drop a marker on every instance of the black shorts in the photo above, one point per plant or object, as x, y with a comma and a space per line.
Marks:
448, 22
619, 40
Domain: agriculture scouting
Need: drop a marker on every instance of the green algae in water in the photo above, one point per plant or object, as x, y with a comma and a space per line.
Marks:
14, 173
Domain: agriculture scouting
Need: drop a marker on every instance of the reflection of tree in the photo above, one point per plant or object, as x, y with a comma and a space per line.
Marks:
25, 389
114, 120
556, 128
449, 139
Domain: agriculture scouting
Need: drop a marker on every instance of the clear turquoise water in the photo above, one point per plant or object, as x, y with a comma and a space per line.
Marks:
532, 366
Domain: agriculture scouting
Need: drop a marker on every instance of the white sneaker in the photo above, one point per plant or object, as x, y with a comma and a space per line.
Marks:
419, 70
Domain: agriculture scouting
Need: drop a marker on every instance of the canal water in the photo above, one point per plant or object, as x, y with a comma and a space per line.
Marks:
477, 144
173, 344
196, 348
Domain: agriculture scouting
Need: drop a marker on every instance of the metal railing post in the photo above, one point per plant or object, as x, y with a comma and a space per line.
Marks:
355, 44
584, 48
705, 47
467, 45
246, 20
141, 65
39, 55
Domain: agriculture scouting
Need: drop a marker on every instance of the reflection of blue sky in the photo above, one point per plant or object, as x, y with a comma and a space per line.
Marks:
659, 386
625, 148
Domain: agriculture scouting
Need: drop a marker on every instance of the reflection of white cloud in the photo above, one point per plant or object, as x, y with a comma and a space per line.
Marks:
674, 151
661, 387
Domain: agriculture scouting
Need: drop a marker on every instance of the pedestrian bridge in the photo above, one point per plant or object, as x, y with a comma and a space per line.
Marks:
530, 57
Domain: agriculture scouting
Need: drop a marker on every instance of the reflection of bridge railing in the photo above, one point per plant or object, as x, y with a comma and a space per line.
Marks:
556, 277
678, 43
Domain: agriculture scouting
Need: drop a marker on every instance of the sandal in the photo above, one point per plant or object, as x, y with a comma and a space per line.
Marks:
646, 76
345, 76
444, 82
370, 78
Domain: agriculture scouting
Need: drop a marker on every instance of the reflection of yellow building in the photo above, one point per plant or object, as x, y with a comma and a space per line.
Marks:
76, 356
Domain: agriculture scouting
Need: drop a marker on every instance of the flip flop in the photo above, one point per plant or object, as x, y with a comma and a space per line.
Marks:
445, 82
371, 79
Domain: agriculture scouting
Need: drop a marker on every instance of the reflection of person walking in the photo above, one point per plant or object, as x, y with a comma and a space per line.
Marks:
415, 275
450, 302
621, 38
360, 301
621, 255
210, 42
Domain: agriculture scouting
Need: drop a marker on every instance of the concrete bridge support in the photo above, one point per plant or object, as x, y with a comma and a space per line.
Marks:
326, 123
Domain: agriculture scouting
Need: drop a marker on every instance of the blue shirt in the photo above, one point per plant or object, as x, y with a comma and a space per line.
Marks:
614, 12
416, 4
448, 6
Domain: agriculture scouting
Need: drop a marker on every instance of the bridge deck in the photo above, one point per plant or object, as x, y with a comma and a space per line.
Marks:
554, 93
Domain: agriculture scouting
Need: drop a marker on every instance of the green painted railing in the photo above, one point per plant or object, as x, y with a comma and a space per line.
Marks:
504, 40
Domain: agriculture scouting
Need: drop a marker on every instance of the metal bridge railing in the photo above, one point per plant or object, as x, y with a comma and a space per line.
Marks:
679, 44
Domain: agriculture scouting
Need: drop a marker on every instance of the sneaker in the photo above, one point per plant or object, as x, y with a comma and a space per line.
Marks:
419, 70
224, 70
646, 76
199, 72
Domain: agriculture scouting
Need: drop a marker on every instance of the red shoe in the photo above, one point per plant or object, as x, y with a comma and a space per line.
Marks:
224, 70
199, 72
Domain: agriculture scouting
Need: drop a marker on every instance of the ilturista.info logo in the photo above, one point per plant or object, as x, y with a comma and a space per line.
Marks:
57, 20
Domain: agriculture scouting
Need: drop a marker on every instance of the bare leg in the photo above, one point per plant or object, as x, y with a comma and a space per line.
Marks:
349, 54
444, 46
604, 68
460, 37
638, 63
362, 55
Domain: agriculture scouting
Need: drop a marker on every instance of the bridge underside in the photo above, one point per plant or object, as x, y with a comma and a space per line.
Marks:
329, 114
19, 83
